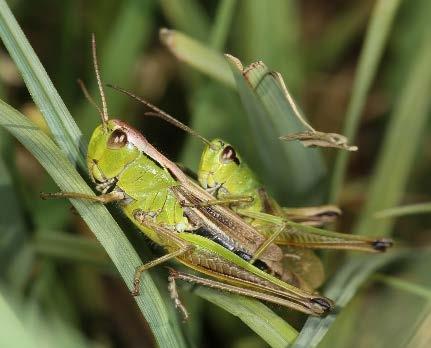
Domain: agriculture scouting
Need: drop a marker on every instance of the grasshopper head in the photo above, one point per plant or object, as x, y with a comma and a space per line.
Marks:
109, 152
113, 144
218, 162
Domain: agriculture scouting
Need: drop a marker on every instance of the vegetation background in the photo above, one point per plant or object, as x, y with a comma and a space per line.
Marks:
359, 68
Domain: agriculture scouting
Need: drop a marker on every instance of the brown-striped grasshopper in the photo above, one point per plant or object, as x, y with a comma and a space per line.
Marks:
171, 210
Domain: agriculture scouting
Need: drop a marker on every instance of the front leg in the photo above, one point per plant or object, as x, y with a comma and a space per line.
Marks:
105, 198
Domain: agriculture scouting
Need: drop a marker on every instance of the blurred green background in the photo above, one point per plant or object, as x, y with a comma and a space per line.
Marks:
359, 68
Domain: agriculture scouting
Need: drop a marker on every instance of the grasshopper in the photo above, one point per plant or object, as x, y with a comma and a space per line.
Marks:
223, 173
169, 208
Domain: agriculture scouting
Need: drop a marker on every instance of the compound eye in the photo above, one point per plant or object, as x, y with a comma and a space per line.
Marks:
117, 140
228, 154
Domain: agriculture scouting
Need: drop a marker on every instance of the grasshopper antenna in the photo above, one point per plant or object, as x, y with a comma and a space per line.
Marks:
104, 111
88, 96
162, 114
178, 124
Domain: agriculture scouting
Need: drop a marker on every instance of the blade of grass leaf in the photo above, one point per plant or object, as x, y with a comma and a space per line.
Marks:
274, 330
402, 139
422, 337
197, 55
340, 34
223, 19
48, 328
273, 37
12, 226
188, 16
420, 208
20, 269
270, 116
71, 248
130, 31
57, 301
341, 289
377, 33
12, 332
64, 129
97, 218
404, 285
15, 254
380, 306
396, 159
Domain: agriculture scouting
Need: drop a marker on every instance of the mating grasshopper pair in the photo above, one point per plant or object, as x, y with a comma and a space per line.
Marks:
239, 245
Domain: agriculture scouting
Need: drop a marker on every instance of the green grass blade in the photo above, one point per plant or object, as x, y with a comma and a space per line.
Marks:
274, 330
338, 37
404, 285
393, 166
197, 55
26, 325
12, 226
129, 33
223, 20
12, 332
270, 31
188, 16
270, 116
420, 208
60, 245
341, 289
421, 338
396, 159
402, 139
97, 218
377, 34
64, 129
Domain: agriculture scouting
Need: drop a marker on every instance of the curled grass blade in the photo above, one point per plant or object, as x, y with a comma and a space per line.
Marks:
97, 218
270, 116
377, 34
263, 321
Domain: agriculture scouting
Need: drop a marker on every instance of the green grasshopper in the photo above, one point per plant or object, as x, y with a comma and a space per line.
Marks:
169, 208
224, 174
